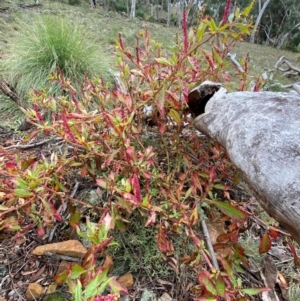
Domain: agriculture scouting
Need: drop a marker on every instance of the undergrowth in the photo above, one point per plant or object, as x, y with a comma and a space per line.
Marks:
153, 190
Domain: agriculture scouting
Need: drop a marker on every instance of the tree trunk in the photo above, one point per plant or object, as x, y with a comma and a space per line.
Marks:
179, 13
132, 12
257, 22
281, 41
169, 12
262, 141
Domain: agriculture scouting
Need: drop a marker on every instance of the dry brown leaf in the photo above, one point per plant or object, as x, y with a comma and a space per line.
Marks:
108, 263
126, 280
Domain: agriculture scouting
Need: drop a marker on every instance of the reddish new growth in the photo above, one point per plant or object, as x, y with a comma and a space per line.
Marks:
185, 32
110, 297
226, 12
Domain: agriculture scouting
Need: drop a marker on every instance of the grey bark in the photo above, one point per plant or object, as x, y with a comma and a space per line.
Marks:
261, 133
132, 11
169, 12
258, 19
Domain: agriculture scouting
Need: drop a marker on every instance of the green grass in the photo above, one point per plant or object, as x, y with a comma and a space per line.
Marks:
45, 44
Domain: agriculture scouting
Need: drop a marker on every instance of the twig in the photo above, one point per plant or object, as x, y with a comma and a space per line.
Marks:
232, 57
74, 189
26, 146
264, 225
209, 245
63, 257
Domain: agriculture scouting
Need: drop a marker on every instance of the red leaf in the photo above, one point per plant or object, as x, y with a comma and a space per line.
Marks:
296, 258
212, 175
136, 188
273, 233
265, 243
151, 219
229, 237
164, 245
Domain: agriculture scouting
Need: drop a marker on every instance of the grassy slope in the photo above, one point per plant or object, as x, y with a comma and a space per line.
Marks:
106, 27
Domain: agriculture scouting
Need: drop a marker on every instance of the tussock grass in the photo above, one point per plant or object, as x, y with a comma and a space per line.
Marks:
45, 44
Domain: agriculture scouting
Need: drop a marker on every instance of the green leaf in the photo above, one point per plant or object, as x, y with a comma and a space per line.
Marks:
22, 193
200, 31
212, 25
76, 271
205, 280
219, 186
92, 289
75, 219
61, 278
230, 210
220, 286
265, 243
254, 290
243, 27
248, 9
163, 61
175, 116
216, 56
78, 291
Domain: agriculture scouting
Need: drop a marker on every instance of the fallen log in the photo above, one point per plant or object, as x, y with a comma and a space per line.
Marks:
290, 71
9, 91
261, 133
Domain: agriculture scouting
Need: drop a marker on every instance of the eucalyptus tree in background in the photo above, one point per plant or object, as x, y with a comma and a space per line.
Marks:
280, 23
132, 10
262, 9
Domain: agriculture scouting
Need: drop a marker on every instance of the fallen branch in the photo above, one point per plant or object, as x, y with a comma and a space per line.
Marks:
260, 132
8, 91
27, 146
232, 57
291, 70
209, 245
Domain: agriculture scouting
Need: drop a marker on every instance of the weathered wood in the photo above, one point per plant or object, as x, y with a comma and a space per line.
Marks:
8, 91
291, 70
261, 133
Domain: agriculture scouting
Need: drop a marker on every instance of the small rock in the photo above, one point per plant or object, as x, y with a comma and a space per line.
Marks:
126, 280
34, 290
71, 248
148, 296
165, 297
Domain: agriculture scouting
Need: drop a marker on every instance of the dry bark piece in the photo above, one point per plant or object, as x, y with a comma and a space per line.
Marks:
260, 131
165, 297
72, 248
